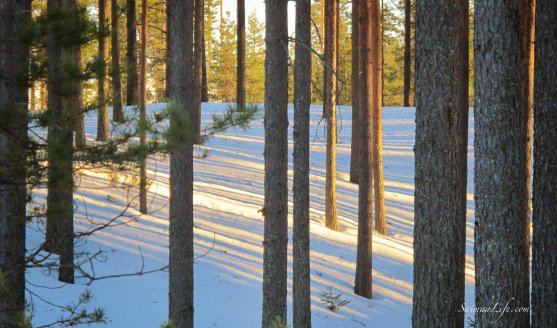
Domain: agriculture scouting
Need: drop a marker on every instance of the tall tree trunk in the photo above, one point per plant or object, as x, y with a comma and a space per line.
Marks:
302, 101
14, 67
204, 83
103, 133
80, 140
440, 150
355, 146
331, 15
199, 8
181, 57
501, 238
143, 106
241, 56
407, 51
131, 55
276, 162
63, 91
376, 121
363, 279
117, 112
544, 243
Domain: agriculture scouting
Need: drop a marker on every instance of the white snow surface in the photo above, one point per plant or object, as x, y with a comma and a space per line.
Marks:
228, 192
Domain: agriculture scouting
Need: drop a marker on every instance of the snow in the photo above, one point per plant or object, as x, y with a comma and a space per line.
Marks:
228, 194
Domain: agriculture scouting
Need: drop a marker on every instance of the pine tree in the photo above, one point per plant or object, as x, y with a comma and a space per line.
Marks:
407, 50
131, 54
544, 243
117, 112
276, 162
241, 55
501, 238
143, 106
199, 8
355, 146
13, 108
103, 133
302, 101
441, 150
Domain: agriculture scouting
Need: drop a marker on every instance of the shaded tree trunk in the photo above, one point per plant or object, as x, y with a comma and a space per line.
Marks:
117, 112
131, 54
143, 106
204, 82
198, 66
181, 87
302, 101
376, 121
241, 56
440, 150
363, 279
407, 51
331, 15
544, 243
501, 239
276, 162
14, 67
355, 146
103, 133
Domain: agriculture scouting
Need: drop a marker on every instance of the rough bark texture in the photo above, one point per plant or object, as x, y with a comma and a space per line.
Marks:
181, 166
241, 56
131, 54
376, 122
143, 105
117, 112
63, 90
13, 98
331, 15
199, 6
363, 280
355, 146
501, 238
204, 83
544, 244
103, 133
441, 145
302, 101
276, 162
407, 50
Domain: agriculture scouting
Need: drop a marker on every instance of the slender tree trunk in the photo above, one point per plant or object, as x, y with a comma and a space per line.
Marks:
441, 148
32, 98
407, 50
363, 280
80, 140
13, 97
143, 106
198, 66
241, 54
276, 162
131, 55
331, 15
302, 101
204, 83
117, 112
544, 258
181, 57
103, 133
355, 146
376, 121
501, 238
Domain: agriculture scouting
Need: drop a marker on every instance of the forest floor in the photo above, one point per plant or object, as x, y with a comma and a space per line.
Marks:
228, 193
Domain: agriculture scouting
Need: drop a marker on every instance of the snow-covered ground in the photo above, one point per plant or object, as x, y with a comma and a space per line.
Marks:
228, 194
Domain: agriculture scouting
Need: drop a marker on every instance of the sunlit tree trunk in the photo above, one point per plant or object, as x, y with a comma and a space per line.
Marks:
241, 56
407, 51
355, 146
117, 112
143, 106
103, 133
131, 54
199, 9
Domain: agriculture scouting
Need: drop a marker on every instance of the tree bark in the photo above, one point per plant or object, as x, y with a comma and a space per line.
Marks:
14, 65
302, 101
117, 112
544, 259
199, 7
331, 15
355, 146
241, 54
407, 50
363, 279
276, 162
143, 106
181, 92
440, 150
376, 121
501, 238
103, 133
204, 82
131, 55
